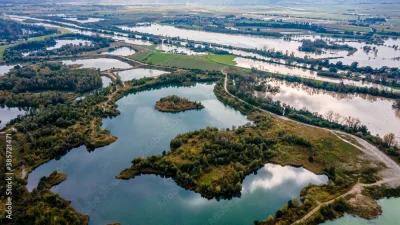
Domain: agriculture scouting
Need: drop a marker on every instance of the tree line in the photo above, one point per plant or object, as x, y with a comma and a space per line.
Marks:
50, 76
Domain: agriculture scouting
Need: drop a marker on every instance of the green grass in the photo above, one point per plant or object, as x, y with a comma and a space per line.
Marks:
223, 59
2, 49
182, 61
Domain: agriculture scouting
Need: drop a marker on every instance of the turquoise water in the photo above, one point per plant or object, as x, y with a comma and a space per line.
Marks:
390, 215
149, 199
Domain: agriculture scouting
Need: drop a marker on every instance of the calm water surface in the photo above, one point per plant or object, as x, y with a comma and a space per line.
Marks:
60, 43
124, 51
101, 63
178, 50
139, 73
5, 69
390, 215
148, 199
220, 38
374, 112
88, 20
384, 56
295, 71
106, 81
7, 114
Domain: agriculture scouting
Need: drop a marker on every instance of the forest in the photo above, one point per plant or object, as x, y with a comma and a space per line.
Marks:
11, 31
318, 45
50, 76
39, 48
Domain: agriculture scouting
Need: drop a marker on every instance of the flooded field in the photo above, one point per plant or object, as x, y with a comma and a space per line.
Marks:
384, 55
243, 41
86, 20
61, 43
295, 71
374, 112
178, 50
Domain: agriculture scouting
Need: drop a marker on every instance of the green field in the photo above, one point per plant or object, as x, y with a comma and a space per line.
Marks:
223, 59
180, 61
2, 49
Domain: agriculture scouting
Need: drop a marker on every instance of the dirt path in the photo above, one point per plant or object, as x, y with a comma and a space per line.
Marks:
356, 189
367, 148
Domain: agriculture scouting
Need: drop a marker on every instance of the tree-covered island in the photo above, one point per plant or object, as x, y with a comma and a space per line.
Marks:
174, 103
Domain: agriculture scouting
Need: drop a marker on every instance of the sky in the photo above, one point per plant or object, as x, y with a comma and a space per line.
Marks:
219, 2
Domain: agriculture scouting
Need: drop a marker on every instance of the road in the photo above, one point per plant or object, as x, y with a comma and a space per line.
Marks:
367, 148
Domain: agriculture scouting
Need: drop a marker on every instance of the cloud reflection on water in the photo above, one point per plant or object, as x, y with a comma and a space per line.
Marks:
272, 176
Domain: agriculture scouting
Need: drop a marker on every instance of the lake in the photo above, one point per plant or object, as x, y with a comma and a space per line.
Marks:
149, 199
5, 69
106, 81
124, 51
7, 114
139, 73
100, 63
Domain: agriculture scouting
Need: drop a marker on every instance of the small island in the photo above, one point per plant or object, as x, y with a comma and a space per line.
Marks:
52, 180
174, 103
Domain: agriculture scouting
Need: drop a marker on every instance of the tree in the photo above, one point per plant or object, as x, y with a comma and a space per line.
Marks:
354, 65
329, 115
389, 139
396, 104
294, 203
